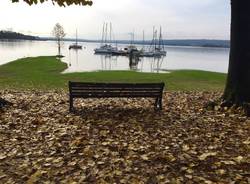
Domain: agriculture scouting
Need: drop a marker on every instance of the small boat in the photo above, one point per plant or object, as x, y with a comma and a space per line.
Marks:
120, 52
131, 49
147, 54
75, 45
159, 49
105, 49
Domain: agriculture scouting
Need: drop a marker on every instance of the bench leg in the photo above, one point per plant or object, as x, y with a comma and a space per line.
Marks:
71, 107
158, 104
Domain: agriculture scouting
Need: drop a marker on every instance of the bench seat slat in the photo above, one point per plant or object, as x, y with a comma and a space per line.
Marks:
115, 95
114, 90
136, 85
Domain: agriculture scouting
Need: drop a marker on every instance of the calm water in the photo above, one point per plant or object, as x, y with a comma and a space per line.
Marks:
209, 59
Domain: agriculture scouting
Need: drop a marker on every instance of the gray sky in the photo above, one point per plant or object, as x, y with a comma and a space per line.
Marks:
180, 19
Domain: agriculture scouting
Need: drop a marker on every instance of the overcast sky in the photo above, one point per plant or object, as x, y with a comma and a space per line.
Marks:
180, 19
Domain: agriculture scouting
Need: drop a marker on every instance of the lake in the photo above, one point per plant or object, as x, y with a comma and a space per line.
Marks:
198, 58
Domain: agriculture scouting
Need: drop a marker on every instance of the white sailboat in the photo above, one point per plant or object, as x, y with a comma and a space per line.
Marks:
159, 49
157, 46
106, 47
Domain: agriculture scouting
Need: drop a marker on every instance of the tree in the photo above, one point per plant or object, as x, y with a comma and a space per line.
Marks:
59, 2
237, 89
59, 34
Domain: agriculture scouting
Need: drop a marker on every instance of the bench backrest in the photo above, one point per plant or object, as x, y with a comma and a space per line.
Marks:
85, 90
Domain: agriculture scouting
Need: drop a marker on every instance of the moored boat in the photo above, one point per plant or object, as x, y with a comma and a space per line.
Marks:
157, 46
75, 45
106, 46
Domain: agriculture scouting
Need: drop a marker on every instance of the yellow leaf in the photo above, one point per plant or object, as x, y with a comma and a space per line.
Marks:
205, 155
185, 147
34, 177
228, 162
238, 159
247, 142
144, 157
221, 171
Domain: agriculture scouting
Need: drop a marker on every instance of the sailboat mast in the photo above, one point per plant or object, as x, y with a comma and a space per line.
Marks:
155, 38
143, 37
76, 37
110, 34
160, 39
152, 42
106, 32
161, 44
133, 36
103, 27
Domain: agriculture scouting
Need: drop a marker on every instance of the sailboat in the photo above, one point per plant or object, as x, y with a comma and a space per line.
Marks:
75, 45
131, 49
143, 51
157, 47
106, 47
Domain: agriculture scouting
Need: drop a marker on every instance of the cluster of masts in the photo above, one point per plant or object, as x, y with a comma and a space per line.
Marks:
107, 46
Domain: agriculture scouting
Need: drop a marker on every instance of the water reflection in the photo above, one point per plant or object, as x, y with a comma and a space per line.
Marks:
210, 59
156, 64
108, 62
133, 62
153, 65
73, 57
105, 62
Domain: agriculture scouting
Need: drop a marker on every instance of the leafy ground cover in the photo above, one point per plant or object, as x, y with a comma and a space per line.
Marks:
121, 140
45, 73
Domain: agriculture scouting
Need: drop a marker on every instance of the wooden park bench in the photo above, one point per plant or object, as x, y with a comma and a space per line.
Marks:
112, 90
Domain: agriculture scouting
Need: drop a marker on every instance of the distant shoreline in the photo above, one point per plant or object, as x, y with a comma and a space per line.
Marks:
173, 42
13, 36
184, 43
9, 35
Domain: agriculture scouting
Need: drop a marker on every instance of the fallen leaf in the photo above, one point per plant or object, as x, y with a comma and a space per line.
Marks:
205, 155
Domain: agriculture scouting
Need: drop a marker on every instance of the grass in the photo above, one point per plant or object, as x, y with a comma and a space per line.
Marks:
45, 73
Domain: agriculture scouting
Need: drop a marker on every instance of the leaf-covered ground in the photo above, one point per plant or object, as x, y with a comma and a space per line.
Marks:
121, 140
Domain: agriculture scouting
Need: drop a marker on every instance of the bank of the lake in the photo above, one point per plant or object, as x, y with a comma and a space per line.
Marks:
45, 73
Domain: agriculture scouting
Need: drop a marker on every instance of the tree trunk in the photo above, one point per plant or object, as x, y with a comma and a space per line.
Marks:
59, 46
237, 89
59, 50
